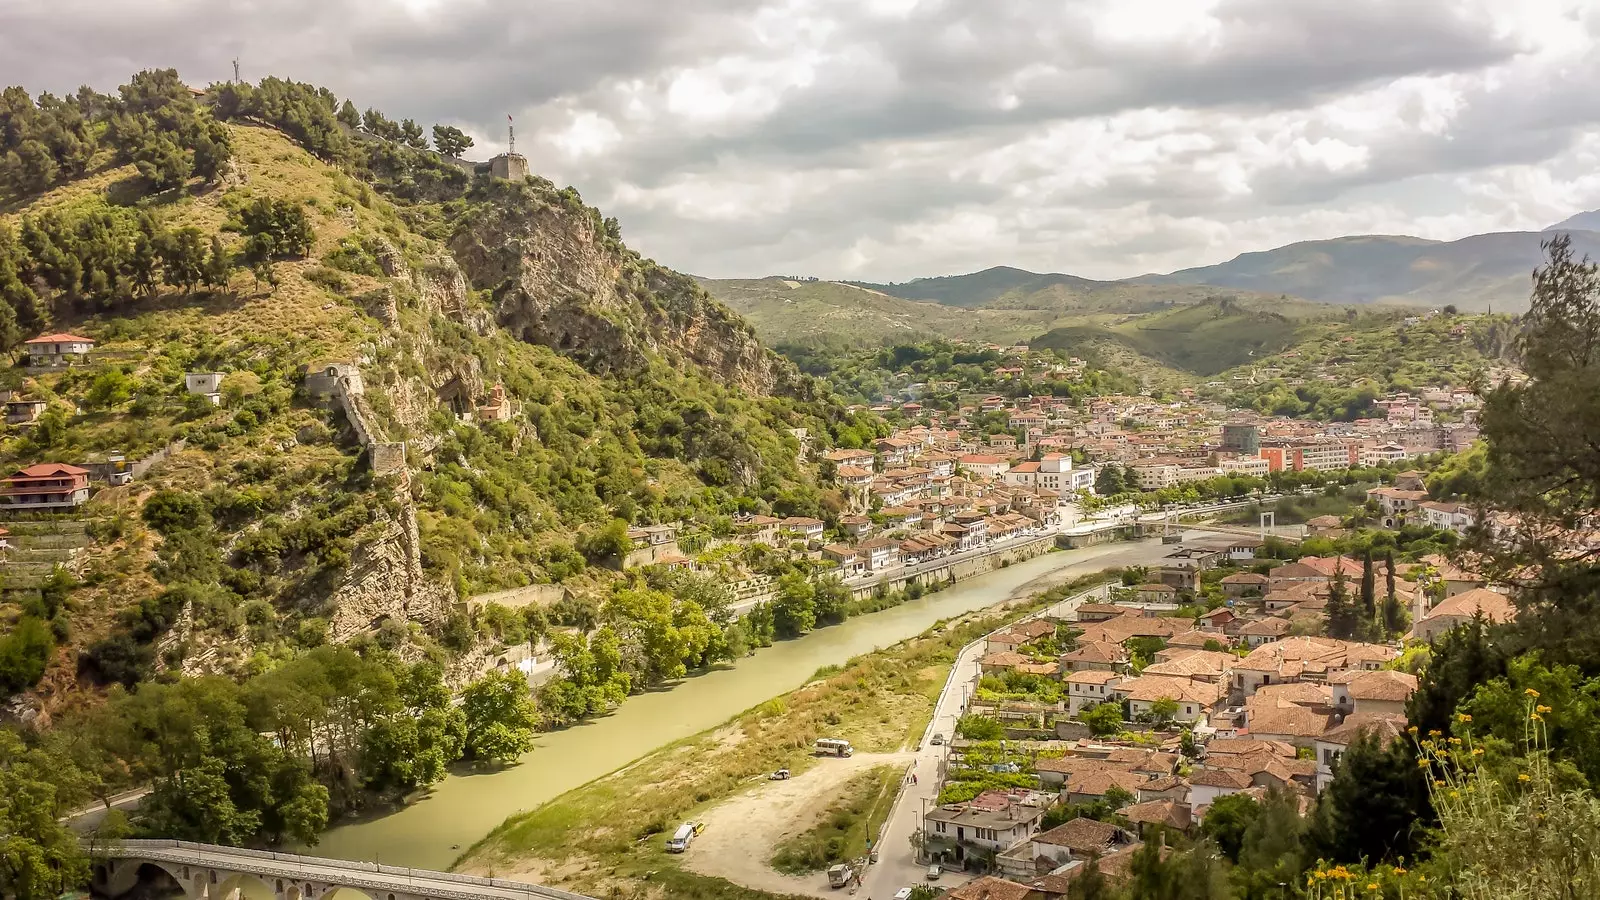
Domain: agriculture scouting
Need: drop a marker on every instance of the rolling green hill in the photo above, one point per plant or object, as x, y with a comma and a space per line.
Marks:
1201, 338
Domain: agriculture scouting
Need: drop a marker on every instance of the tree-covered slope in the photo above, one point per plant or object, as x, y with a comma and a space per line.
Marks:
544, 381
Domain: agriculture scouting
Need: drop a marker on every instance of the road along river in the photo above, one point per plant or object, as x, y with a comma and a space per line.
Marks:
432, 832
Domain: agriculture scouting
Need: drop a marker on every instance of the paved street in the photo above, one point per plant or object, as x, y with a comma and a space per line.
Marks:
897, 868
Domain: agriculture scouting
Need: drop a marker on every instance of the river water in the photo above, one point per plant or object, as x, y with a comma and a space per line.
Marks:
461, 809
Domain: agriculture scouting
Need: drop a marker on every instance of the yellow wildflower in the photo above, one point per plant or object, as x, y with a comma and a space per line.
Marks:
1464, 717
1532, 693
1412, 729
1543, 709
1477, 751
1536, 717
1422, 764
1433, 732
1522, 777
1372, 886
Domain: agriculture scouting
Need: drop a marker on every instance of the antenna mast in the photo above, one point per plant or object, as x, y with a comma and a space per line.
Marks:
236, 68
511, 135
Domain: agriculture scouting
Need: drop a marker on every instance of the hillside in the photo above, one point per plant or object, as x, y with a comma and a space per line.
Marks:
1201, 339
512, 382
1475, 273
789, 311
1588, 220
999, 306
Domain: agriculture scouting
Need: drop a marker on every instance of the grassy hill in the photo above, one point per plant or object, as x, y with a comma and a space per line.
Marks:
632, 396
999, 305
1202, 338
1475, 273
789, 311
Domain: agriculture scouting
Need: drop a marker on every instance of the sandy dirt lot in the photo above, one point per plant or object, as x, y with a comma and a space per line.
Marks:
741, 833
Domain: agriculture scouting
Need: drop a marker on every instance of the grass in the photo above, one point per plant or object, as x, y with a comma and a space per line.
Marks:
852, 820
592, 836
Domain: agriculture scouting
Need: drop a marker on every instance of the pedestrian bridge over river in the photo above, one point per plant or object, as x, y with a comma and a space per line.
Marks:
209, 872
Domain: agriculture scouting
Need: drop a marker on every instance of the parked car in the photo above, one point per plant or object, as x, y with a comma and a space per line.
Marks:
938, 739
779, 775
903, 894
934, 872
839, 875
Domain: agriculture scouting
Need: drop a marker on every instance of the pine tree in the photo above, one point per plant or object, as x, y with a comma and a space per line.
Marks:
1369, 587
1393, 612
1343, 618
219, 265
348, 115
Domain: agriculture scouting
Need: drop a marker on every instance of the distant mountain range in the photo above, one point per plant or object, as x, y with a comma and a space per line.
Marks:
1480, 272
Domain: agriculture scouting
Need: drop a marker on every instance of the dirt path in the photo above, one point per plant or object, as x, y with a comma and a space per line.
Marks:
742, 832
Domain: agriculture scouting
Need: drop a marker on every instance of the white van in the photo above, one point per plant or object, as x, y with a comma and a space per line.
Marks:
681, 838
833, 747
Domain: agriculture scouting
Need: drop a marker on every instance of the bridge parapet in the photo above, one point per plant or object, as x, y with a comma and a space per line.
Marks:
204, 870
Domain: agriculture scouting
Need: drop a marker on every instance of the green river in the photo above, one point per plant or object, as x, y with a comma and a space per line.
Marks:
432, 832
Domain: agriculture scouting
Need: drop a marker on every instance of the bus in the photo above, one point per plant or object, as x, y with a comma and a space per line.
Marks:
833, 747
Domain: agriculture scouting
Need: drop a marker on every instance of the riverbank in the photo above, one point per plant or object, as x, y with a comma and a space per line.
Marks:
460, 810
609, 833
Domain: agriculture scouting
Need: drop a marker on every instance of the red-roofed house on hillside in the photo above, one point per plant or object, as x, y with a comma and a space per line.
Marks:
45, 486
55, 349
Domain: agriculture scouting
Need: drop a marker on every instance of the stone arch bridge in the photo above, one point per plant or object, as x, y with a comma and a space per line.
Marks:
210, 872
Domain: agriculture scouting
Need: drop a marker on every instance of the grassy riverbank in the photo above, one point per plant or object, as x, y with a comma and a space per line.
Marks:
606, 838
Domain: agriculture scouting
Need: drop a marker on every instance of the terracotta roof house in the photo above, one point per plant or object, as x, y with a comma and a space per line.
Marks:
1264, 631
1290, 723
1242, 583
1104, 655
1332, 744
1002, 661
1459, 610
1093, 783
991, 888
45, 486
1204, 665
1082, 837
1381, 692
1170, 814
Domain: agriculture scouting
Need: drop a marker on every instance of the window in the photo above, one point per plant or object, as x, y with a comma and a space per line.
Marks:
939, 827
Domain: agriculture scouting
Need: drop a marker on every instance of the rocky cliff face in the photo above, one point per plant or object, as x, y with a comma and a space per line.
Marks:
560, 277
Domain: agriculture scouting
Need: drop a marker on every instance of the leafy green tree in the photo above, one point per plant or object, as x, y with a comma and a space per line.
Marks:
1227, 821
1271, 853
214, 778
1543, 463
1459, 662
275, 229
980, 728
1108, 482
183, 258
500, 717
218, 266
794, 608
24, 652
1091, 883
609, 542
1164, 710
451, 141
1377, 806
40, 858
109, 389
1104, 719
831, 601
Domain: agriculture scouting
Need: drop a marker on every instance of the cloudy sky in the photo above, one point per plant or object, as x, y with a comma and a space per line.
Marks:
890, 139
